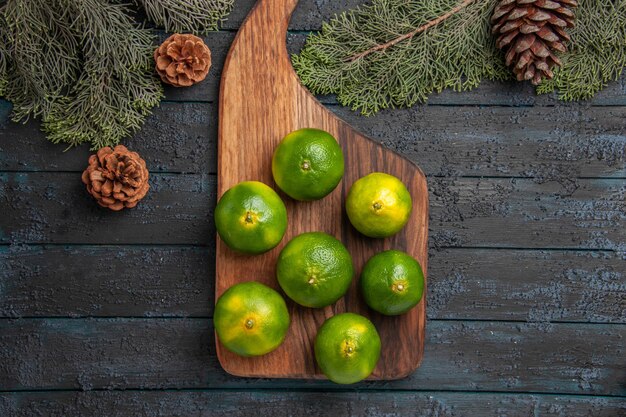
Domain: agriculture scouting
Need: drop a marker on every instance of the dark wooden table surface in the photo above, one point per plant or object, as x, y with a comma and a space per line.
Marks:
105, 314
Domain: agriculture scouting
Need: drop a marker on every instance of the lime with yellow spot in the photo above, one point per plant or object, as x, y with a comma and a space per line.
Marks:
314, 269
392, 282
251, 218
251, 319
347, 348
378, 205
308, 164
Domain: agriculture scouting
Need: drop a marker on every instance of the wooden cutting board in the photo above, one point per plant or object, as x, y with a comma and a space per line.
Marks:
261, 100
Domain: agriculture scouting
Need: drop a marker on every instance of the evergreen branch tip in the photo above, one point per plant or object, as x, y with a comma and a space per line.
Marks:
409, 35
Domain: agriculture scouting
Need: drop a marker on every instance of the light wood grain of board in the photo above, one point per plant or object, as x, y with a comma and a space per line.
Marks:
261, 101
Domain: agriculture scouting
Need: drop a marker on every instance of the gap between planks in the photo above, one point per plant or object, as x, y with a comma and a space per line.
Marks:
311, 390
214, 174
201, 318
32, 245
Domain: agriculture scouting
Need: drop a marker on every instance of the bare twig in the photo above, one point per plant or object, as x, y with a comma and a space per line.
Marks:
409, 35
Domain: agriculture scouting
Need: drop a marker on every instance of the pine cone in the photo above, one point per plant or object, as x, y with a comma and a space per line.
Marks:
531, 32
182, 60
116, 178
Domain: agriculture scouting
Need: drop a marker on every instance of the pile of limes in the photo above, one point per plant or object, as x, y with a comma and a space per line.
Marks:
315, 269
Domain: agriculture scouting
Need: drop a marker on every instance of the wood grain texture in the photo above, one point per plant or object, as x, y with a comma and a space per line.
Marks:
179, 353
171, 281
178, 209
261, 101
106, 281
459, 141
177, 137
304, 404
464, 212
156, 261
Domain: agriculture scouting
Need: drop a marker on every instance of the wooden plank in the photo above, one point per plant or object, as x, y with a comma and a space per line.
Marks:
308, 14
304, 404
165, 281
180, 353
553, 143
55, 208
176, 138
526, 214
465, 212
536, 286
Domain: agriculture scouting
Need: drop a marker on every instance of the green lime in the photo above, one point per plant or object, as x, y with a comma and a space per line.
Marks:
308, 164
251, 319
251, 218
378, 205
314, 269
392, 282
347, 348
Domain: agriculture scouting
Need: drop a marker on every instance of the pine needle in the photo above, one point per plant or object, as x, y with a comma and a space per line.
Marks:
4, 55
597, 53
84, 66
365, 57
197, 16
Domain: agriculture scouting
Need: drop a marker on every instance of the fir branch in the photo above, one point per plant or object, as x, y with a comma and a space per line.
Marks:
597, 52
197, 16
426, 26
457, 52
390, 54
83, 66
4, 54
116, 89
43, 55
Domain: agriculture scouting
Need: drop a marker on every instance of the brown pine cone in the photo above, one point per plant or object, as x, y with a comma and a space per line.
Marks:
182, 60
116, 178
531, 32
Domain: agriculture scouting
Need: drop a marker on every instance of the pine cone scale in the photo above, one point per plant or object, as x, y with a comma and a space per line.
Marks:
509, 26
525, 43
107, 187
528, 28
547, 35
501, 11
558, 46
548, 4
562, 33
531, 32
557, 22
540, 16
518, 13
539, 49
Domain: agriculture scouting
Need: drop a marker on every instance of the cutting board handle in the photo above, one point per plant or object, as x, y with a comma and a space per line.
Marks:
277, 11
266, 29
